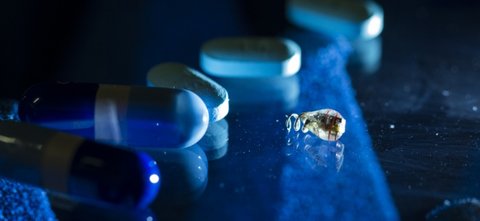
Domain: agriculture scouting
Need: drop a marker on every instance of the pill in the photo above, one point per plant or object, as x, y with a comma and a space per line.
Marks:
250, 57
184, 175
215, 140
79, 168
350, 18
143, 116
176, 75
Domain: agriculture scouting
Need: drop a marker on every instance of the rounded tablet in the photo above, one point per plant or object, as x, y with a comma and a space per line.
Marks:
352, 19
180, 76
250, 57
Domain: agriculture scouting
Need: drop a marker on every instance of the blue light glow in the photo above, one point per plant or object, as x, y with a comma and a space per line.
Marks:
154, 178
375, 26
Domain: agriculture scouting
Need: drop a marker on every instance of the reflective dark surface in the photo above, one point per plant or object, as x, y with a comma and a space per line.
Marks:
420, 102
421, 107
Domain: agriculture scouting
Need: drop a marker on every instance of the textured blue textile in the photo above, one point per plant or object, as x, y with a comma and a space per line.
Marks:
22, 202
262, 177
18, 201
358, 191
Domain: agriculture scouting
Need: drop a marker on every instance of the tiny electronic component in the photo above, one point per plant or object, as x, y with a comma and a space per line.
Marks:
327, 124
250, 57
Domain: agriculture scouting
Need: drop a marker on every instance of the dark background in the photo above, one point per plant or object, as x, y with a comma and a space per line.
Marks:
426, 87
117, 41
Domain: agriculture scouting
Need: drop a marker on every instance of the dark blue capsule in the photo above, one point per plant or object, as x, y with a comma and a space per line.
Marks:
76, 167
119, 177
131, 115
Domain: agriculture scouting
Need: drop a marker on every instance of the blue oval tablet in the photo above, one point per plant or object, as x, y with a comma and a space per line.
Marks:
250, 57
352, 19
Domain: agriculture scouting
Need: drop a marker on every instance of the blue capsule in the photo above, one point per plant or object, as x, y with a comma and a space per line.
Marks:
82, 169
129, 115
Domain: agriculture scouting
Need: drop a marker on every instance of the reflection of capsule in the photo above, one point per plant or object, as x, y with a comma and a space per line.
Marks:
184, 175
147, 117
77, 167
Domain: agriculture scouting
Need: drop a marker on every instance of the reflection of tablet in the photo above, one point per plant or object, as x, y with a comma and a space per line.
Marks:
215, 140
248, 94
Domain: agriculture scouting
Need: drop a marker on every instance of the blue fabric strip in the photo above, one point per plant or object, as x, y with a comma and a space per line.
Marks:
19, 201
311, 189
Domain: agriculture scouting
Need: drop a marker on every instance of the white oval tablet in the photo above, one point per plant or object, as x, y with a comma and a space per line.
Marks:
176, 75
250, 57
350, 18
